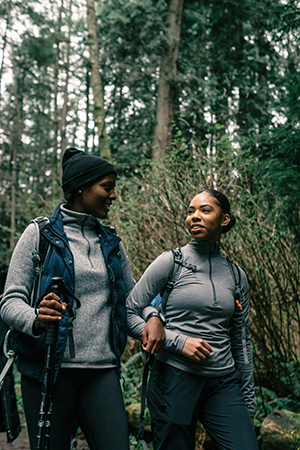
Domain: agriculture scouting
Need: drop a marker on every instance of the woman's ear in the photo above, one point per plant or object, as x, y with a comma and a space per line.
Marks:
225, 220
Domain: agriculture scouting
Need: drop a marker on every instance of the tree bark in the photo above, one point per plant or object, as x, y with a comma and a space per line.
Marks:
66, 90
15, 141
87, 84
96, 83
167, 84
3, 53
55, 175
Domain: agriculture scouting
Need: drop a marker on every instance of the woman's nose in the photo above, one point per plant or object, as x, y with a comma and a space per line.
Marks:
196, 215
112, 195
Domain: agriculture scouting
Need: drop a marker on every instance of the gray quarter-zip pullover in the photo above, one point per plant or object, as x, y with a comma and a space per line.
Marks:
201, 305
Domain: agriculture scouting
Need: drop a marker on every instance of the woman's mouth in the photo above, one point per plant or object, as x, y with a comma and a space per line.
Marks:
196, 228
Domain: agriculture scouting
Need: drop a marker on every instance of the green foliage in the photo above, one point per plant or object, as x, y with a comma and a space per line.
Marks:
150, 217
235, 129
137, 445
294, 442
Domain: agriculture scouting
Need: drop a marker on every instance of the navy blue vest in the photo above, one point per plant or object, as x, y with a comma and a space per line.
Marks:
59, 263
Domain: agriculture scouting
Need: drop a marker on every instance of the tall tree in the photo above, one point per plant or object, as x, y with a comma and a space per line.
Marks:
16, 136
96, 83
56, 120
166, 97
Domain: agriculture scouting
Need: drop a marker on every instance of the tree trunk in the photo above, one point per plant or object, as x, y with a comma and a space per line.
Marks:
167, 84
66, 92
3, 53
16, 133
96, 84
87, 83
13, 164
55, 175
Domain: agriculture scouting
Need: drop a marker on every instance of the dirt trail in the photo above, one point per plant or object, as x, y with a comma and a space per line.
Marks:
21, 443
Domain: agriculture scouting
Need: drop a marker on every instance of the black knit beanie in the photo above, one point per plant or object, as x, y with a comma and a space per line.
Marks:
80, 168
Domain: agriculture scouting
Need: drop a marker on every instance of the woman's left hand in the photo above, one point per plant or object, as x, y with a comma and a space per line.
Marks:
153, 336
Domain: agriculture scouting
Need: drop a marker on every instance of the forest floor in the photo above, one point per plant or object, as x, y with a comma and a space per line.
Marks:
22, 441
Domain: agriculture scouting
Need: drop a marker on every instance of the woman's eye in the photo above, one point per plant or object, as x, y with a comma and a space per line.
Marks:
108, 187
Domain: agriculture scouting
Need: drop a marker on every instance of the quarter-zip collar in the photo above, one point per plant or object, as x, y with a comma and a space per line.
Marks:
80, 219
205, 248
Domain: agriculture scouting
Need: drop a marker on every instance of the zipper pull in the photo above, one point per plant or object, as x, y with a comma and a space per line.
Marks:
238, 305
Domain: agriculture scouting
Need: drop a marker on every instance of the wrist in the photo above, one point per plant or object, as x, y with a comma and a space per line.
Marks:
158, 315
37, 330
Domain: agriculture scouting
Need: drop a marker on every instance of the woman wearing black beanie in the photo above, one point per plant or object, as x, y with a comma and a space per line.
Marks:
92, 262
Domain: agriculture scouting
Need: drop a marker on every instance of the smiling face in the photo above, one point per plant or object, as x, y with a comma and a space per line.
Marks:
205, 220
97, 198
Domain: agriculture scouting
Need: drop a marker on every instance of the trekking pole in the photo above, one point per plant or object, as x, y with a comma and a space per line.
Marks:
44, 423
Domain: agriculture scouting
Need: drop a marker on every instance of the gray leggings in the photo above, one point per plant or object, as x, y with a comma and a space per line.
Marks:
93, 397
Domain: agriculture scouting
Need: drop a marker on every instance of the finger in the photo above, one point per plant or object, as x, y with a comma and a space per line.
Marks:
198, 356
144, 338
44, 321
46, 313
49, 319
151, 349
204, 351
147, 347
51, 304
50, 309
53, 296
158, 343
207, 346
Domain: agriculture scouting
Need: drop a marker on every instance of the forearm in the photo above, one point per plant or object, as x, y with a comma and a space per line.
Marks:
138, 303
15, 309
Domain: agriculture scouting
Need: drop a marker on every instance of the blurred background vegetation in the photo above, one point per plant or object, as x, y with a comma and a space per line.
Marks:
179, 96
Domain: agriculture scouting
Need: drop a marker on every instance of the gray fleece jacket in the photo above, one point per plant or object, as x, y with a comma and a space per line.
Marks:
201, 305
91, 328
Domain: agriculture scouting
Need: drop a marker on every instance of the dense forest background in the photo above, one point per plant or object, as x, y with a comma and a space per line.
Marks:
179, 96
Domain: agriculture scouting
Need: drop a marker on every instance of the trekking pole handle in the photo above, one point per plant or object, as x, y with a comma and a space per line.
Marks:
52, 330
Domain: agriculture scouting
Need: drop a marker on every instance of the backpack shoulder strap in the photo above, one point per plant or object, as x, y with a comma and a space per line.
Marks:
178, 263
38, 257
173, 274
235, 272
238, 297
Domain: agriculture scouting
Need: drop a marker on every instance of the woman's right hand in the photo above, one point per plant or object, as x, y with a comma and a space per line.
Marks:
50, 311
153, 336
196, 349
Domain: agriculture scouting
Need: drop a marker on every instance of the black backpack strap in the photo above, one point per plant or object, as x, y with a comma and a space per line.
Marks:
178, 263
140, 434
236, 274
38, 257
238, 296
